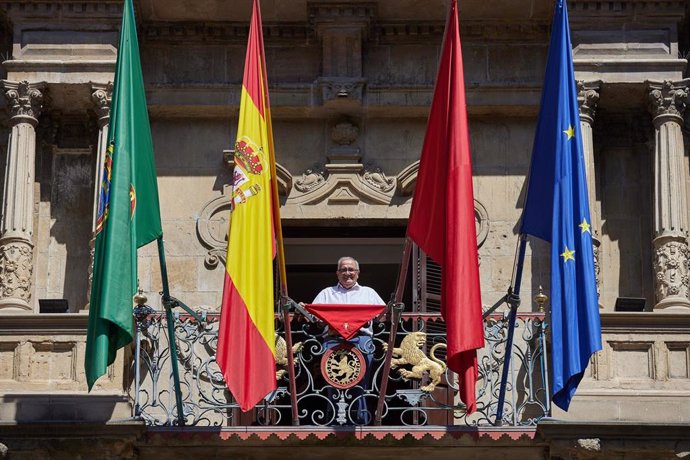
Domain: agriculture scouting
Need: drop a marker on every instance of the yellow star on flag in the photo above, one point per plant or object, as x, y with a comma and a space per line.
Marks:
568, 255
570, 132
585, 226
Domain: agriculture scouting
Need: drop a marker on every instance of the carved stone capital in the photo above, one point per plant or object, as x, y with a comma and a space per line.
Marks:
597, 265
16, 270
671, 267
588, 99
24, 100
667, 100
101, 96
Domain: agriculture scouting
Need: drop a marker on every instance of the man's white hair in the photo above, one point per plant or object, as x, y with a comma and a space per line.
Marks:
343, 259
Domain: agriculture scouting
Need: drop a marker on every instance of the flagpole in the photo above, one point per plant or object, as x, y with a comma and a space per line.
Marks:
167, 302
513, 299
280, 252
395, 317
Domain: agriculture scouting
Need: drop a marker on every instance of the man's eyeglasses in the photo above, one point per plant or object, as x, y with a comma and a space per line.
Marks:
347, 270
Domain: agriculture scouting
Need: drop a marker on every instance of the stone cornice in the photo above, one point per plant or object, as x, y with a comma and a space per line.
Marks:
389, 31
127, 431
25, 65
44, 324
345, 11
77, 10
471, 30
291, 100
645, 322
579, 10
567, 438
640, 10
221, 32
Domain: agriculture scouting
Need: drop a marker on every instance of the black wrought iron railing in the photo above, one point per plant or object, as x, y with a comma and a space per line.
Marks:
324, 400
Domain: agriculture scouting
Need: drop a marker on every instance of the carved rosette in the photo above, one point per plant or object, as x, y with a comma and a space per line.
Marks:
344, 133
16, 269
23, 100
671, 270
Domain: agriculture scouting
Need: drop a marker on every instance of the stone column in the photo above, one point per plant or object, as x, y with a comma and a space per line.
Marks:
667, 103
101, 96
24, 102
588, 98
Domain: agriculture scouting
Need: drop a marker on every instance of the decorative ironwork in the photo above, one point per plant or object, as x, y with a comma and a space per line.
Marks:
207, 401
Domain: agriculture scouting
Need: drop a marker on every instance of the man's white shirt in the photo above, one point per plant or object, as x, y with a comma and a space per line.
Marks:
357, 294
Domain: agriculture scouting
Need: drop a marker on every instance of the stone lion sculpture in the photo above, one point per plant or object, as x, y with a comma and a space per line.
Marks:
410, 353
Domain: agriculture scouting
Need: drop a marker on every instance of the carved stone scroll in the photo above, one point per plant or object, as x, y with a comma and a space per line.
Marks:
212, 227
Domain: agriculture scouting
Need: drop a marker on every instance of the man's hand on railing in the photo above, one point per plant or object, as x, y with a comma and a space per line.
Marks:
302, 314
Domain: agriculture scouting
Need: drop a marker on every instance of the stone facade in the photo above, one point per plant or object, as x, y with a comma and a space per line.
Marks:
350, 85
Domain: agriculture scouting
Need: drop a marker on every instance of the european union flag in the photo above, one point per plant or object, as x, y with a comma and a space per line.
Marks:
557, 210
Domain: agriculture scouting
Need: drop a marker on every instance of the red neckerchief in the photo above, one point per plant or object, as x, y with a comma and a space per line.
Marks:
346, 319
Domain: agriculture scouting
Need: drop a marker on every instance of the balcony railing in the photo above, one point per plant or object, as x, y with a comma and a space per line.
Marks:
207, 402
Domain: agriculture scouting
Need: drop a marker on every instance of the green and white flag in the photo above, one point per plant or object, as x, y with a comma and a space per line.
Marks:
128, 210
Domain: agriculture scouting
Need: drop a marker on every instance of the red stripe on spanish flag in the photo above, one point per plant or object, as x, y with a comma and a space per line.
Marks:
246, 337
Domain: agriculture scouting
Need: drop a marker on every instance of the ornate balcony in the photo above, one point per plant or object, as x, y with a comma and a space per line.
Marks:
409, 402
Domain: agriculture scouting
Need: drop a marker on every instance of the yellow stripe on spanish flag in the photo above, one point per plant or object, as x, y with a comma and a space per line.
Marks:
246, 342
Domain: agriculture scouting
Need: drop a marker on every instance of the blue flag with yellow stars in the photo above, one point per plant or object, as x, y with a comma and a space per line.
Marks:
557, 210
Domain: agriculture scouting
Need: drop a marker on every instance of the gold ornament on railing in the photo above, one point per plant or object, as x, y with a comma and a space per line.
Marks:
541, 299
282, 355
140, 298
410, 353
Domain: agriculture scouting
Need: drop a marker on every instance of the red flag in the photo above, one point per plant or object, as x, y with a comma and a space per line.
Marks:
442, 217
246, 334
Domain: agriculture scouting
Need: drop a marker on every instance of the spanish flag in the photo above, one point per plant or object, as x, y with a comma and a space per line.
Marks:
246, 342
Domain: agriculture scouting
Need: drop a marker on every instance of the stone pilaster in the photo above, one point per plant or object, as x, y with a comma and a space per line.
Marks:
667, 102
342, 29
101, 96
24, 102
588, 98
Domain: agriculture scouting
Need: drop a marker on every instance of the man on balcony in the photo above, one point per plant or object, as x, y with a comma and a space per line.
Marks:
349, 291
